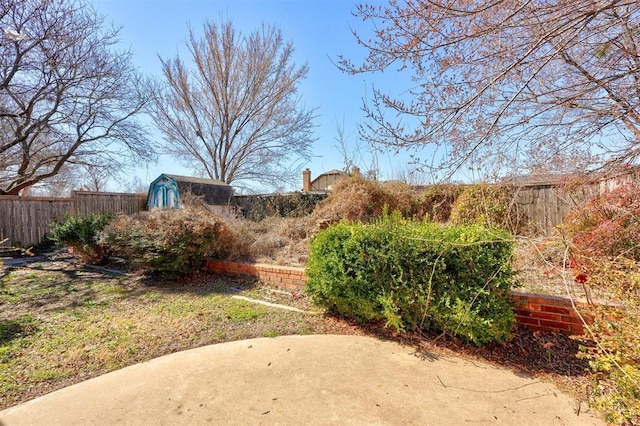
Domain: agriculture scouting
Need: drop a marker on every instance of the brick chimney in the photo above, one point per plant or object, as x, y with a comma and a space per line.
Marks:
306, 180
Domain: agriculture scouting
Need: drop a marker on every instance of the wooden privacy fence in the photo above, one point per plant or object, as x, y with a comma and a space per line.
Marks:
86, 202
545, 206
25, 220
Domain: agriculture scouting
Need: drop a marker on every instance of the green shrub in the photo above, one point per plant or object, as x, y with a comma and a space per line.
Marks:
81, 233
488, 205
416, 276
170, 242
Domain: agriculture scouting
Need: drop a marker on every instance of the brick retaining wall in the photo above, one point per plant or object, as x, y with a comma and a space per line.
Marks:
550, 313
536, 311
279, 276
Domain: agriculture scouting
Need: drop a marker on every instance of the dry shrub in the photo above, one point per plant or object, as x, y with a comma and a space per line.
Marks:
615, 359
276, 240
404, 197
606, 250
436, 202
355, 199
267, 245
608, 225
296, 204
172, 242
488, 205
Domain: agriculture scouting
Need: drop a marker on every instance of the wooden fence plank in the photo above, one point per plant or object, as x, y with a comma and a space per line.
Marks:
96, 202
24, 221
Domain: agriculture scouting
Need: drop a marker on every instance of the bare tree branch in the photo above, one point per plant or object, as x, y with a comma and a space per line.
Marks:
236, 110
67, 96
527, 83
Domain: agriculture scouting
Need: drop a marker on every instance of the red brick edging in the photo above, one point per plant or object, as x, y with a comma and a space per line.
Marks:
550, 313
536, 311
279, 276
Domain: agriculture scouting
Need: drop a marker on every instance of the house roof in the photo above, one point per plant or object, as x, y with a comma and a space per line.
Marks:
329, 173
334, 172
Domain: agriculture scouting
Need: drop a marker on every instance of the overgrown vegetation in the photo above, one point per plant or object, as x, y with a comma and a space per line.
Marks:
260, 207
172, 242
358, 199
606, 252
487, 205
275, 240
416, 276
355, 199
82, 233
436, 202
609, 225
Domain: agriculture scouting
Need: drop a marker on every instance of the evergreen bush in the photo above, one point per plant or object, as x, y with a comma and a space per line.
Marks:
81, 233
416, 276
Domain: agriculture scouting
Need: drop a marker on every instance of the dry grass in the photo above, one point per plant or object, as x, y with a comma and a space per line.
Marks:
66, 324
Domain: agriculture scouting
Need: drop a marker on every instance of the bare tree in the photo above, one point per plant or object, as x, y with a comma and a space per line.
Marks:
135, 185
533, 83
355, 154
413, 176
67, 96
60, 185
235, 115
96, 178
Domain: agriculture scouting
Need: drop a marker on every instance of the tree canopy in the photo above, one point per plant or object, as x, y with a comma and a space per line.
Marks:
539, 84
234, 113
67, 97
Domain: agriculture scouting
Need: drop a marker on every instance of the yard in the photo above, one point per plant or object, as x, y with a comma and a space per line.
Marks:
62, 322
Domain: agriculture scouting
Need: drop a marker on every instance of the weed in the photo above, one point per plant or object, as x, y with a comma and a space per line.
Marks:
47, 374
244, 311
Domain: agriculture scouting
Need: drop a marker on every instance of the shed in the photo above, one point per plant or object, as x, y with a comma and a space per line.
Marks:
165, 191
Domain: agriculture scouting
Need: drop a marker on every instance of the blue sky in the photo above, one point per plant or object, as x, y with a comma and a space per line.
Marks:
320, 31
